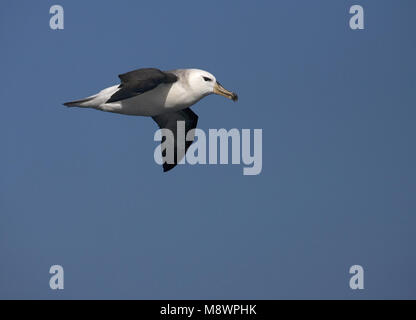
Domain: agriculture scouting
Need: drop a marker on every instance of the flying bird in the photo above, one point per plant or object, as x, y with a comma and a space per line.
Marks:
166, 96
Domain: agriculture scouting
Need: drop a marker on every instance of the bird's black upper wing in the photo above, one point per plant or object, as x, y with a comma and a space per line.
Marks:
169, 121
139, 81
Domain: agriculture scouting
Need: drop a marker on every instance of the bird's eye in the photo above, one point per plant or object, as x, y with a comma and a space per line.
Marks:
207, 79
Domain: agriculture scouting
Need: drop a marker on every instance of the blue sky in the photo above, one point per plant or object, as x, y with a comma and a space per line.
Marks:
80, 188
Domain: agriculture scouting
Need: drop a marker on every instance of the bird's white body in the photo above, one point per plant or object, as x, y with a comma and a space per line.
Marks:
164, 98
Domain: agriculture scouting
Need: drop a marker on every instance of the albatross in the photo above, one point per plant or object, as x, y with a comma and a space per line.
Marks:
166, 96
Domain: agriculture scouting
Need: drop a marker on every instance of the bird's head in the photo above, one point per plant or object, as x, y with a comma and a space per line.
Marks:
205, 84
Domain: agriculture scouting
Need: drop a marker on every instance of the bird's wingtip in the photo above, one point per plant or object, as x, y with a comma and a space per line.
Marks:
167, 167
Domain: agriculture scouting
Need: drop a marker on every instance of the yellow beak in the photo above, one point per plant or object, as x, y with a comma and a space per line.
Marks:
220, 90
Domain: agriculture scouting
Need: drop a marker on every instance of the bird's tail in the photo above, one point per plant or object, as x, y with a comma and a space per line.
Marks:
81, 103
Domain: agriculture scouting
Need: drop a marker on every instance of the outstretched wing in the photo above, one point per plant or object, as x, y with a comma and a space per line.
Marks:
139, 81
169, 121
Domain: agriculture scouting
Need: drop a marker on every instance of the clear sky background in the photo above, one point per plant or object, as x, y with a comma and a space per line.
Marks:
80, 188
